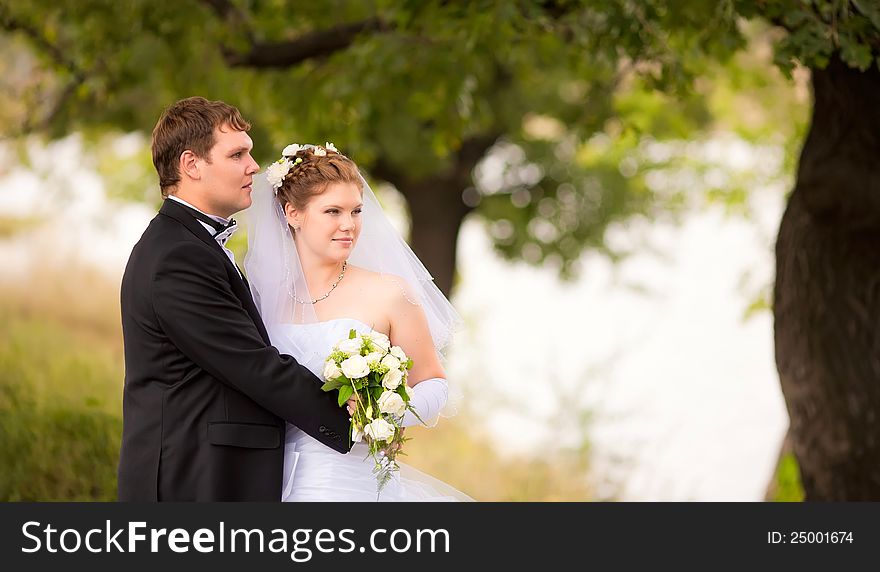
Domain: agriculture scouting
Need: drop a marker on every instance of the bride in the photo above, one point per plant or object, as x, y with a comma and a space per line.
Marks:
323, 259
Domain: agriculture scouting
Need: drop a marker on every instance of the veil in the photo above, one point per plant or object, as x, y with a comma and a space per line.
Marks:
276, 276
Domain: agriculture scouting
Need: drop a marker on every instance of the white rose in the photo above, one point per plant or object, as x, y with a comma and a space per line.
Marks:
380, 340
291, 150
355, 367
276, 172
379, 430
373, 358
397, 352
331, 370
392, 379
391, 362
352, 347
391, 402
356, 435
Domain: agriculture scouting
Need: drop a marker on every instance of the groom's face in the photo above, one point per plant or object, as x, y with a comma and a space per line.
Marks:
228, 177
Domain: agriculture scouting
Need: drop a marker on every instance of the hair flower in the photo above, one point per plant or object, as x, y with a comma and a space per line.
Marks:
292, 150
276, 172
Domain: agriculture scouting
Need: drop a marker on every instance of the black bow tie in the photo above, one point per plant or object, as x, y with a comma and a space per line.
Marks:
223, 227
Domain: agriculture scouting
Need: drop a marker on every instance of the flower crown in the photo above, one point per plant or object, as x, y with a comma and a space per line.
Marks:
276, 172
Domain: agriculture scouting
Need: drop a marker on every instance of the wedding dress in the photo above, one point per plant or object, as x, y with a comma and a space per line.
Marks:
313, 471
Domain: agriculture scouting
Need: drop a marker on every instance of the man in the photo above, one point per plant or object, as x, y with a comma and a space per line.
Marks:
206, 397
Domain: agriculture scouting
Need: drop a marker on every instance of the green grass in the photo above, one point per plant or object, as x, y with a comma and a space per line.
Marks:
788, 481
56, 453
60, 384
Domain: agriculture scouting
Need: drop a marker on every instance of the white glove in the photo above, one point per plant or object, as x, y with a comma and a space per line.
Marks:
428, 398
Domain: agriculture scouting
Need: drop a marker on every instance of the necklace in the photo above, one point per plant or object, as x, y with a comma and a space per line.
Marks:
332, 288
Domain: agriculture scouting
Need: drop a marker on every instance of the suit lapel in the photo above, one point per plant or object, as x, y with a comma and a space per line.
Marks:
240, 287
179, 213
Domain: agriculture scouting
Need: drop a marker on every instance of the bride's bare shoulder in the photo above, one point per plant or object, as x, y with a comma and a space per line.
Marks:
387, 289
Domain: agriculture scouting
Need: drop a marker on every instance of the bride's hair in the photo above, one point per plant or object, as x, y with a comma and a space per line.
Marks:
311, 177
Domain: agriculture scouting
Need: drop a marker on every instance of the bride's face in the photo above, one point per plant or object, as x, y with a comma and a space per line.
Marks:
330, 224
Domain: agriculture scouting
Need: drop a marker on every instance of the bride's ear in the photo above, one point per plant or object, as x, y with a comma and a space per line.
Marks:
292, 215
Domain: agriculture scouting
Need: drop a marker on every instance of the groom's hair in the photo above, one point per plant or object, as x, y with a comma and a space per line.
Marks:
189, 124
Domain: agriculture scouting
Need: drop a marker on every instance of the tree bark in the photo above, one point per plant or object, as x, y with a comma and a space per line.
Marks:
436, 212
317, 44
436, 206
827, 295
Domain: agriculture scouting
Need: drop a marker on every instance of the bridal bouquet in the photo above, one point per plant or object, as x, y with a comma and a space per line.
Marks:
367, 367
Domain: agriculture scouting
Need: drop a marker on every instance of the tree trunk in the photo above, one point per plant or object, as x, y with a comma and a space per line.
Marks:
436, 211
436, 207
827, 295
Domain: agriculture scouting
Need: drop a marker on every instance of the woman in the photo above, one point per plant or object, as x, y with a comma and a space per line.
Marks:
322, 260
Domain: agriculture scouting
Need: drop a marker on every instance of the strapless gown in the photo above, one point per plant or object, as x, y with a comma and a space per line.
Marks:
313, 471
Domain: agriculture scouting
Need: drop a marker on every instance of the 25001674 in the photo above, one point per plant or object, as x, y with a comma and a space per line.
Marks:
810, 537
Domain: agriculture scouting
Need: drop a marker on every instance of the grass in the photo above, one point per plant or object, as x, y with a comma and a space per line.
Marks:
60, 389
787, 482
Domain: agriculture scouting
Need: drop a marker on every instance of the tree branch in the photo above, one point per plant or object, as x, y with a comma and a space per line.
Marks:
319, 44
11, 24
32, 124
470, 153
233, 15
225, 9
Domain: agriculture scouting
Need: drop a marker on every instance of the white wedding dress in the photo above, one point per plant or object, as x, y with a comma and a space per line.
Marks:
313, 471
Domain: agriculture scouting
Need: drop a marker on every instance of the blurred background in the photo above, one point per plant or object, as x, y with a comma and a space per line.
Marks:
597, 185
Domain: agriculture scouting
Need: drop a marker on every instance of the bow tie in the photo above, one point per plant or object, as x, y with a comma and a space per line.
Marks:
224, 232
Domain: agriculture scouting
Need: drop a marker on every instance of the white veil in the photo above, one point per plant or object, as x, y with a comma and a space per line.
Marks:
276, 277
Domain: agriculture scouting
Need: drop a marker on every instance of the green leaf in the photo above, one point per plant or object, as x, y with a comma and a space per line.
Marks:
331, 385
352, 334
855, 54
414, 412
344, 393
870, 9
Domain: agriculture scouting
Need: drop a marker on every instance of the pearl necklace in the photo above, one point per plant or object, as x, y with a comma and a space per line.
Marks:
332, 288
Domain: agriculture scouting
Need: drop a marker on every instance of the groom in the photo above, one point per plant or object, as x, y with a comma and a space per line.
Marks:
206, 397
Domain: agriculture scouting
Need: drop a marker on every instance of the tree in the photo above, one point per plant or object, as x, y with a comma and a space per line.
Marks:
420, 93
826, 294
490, 107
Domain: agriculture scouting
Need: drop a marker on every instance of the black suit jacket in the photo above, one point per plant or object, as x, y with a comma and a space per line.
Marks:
206, 396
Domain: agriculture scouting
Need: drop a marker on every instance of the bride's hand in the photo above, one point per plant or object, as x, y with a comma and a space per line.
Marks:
351, 405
